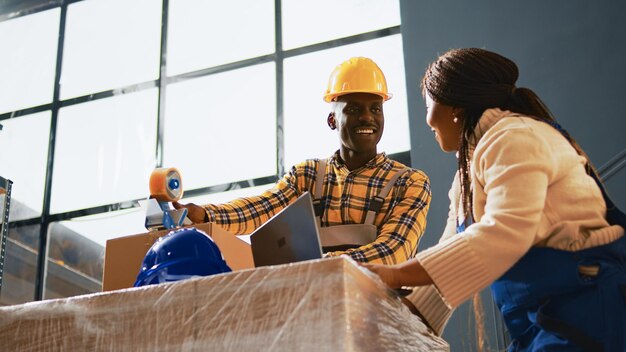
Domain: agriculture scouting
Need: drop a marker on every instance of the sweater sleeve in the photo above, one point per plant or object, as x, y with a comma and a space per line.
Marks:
431, 306
513, 168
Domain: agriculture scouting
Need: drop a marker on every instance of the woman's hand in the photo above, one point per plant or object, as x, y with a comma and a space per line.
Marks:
387, 273
410, 273
195, 213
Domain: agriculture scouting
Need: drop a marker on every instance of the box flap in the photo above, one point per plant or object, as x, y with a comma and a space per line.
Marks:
124, 255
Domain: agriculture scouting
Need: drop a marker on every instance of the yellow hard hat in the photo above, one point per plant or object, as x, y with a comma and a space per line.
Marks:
356, 75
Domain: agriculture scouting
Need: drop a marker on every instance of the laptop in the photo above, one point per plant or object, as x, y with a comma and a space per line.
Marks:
289, 236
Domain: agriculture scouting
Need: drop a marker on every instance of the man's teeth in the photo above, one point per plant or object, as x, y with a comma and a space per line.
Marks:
364, 131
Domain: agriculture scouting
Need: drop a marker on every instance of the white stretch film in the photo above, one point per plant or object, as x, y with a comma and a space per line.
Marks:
322, 305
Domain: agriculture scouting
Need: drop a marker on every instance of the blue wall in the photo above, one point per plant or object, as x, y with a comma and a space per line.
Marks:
572, 53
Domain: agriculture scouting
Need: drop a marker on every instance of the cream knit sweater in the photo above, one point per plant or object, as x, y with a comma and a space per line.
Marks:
530, 188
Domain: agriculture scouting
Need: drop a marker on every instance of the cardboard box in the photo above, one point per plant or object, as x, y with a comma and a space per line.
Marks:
124, 255
320, 305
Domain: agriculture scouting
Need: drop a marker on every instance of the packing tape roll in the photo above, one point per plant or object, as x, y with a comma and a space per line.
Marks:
166, 184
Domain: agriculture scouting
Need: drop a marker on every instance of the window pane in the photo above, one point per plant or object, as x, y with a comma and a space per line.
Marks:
110, 44
20, 265
306, 78
102, 227
105, 151
209, 33
27, 65
311, 22
24, 146
222, 128
76, 250
75, 263
227, 196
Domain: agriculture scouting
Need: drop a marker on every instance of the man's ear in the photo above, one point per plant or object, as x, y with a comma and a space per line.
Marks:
331, 121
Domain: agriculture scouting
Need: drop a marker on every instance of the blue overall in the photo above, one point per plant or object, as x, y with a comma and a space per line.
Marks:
548, 305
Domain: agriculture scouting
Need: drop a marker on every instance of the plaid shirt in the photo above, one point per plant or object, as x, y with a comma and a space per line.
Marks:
345, 198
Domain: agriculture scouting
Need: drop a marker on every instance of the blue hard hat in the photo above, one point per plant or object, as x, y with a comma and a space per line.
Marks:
179, 255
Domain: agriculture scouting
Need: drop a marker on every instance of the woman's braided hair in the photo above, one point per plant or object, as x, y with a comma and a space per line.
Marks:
475, 80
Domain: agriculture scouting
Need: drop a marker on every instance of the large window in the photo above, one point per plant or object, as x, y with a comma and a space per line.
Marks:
306, 23
104, 151
97, 93
110, 44
223, 126
27, 65
24, 146
210, 33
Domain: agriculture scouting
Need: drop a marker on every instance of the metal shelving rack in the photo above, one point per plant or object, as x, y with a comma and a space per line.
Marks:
5, 202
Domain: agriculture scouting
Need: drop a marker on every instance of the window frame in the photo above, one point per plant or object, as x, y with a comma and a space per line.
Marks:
24, 8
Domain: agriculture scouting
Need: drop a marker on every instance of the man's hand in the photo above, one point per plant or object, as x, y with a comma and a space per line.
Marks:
195, 213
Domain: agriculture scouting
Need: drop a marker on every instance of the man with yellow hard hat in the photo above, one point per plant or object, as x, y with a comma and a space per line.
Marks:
368, 206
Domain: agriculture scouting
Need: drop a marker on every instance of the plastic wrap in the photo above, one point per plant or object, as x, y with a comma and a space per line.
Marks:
322, 305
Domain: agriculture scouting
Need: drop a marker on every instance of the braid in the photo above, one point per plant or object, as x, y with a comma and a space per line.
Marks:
463, 163
475, 80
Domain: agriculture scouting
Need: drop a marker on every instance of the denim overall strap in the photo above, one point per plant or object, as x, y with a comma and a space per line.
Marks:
319, 184
348, 236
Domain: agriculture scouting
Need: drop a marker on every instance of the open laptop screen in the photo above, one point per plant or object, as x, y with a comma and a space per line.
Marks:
289, 236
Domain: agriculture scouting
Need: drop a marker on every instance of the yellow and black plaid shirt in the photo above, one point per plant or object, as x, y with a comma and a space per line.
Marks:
345, 199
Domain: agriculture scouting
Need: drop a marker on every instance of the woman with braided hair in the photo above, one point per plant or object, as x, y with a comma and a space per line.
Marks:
528, 216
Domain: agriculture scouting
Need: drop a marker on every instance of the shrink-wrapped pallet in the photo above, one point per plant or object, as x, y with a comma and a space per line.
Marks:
321, 305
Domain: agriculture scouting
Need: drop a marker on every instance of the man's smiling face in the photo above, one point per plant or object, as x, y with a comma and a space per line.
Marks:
360, 121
